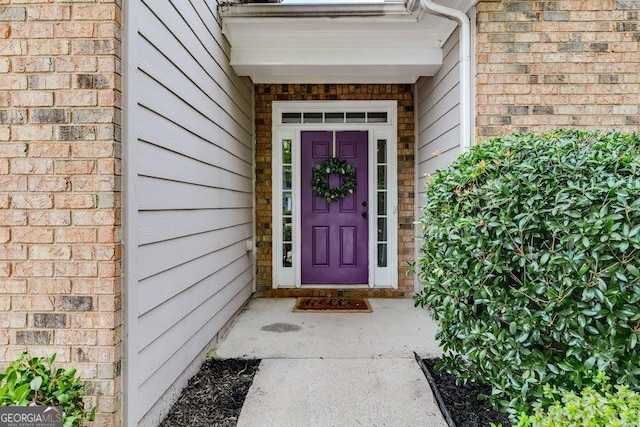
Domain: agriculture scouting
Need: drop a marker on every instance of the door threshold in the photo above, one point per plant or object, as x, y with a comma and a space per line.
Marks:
367, 292
334, 286
338, 286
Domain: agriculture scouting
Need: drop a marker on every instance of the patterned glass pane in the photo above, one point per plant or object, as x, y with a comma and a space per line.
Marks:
286, 229
287, 255
382, 203
291, 117
334, 118
286, 151
382, 254
382, 177
312, 118
382, 151
287, 202
382, 229
286, 178
356, 117
377, 117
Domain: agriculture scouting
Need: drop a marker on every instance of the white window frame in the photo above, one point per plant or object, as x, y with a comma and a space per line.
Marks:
379, 277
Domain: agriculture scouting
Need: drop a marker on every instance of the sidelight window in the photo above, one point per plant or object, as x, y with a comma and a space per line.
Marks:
382, 197
287, 204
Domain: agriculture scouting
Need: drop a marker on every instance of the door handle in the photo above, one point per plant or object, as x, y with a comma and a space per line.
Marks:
364, 215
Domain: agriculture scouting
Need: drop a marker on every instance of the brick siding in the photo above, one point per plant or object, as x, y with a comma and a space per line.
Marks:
551, 64
265, 94
60, 288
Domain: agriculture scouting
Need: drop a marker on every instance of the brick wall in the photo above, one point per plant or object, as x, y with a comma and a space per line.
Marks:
557, 64
59, 188
265, 94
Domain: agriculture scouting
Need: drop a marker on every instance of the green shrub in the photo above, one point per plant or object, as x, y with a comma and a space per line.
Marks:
531, 261
33, 381
593, 407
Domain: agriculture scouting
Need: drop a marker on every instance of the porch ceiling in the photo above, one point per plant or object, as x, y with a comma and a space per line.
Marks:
390, 42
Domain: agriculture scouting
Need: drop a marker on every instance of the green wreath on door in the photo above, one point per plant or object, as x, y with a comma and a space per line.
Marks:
320, 179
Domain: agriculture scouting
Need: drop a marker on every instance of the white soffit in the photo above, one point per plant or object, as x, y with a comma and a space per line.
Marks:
334, 43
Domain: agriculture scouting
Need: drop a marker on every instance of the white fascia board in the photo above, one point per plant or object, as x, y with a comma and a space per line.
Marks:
337, 74
342, 79
331, 57
331, 65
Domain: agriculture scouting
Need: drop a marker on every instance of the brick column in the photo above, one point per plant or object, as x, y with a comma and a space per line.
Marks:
544, 65
60, 253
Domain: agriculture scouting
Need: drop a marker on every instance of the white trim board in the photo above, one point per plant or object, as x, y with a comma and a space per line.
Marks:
128, 390
379, 277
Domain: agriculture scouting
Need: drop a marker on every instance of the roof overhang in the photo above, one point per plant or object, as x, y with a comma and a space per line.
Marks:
390, 42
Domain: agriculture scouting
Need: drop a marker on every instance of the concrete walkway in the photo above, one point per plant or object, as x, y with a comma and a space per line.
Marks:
326, 369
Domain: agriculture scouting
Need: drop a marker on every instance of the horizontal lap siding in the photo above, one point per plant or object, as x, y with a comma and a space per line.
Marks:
438, 117
193, 173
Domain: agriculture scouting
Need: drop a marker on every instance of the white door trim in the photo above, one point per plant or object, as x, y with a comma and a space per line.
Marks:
379, 277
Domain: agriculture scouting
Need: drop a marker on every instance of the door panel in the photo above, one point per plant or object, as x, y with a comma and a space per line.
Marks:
334, 236
320, 244
348, 246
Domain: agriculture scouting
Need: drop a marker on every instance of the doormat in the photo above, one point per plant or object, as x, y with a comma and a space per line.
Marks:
332, 304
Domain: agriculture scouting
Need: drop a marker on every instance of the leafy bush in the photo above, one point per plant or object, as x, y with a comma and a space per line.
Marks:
33, 381
591, 408
531, 262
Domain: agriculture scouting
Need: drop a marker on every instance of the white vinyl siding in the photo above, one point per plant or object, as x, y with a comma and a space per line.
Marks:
189, 198
438, 122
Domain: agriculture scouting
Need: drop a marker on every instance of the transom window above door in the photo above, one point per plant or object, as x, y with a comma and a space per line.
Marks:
334, 117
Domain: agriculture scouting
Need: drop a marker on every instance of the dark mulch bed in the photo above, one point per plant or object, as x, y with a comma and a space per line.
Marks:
462, 403
214, 396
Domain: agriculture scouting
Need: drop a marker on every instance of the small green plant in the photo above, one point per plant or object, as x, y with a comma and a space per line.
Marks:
531, 263
33, 381
593, 407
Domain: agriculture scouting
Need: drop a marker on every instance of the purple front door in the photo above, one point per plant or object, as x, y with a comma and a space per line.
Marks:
335, 236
